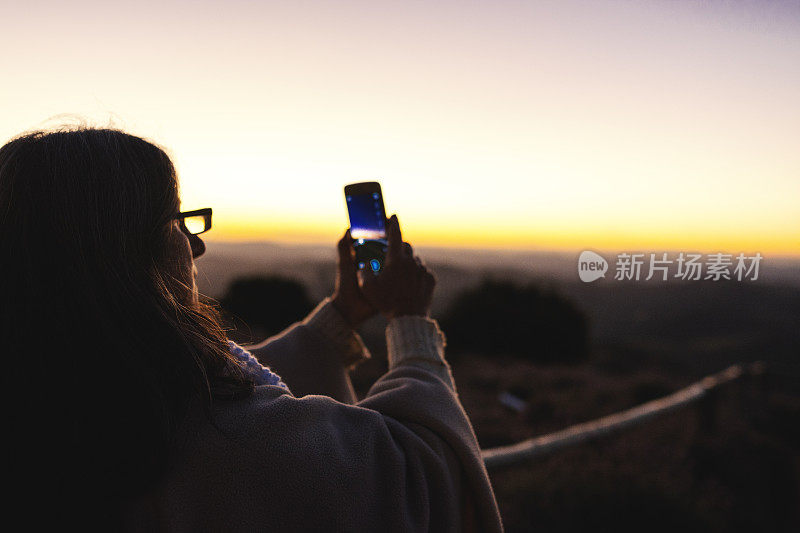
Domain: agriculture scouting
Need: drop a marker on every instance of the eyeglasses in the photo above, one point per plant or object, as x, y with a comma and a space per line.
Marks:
195, 222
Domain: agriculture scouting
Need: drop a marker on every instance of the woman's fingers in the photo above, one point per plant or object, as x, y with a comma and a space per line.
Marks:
404, 286
345, 249
395, 238
344, 244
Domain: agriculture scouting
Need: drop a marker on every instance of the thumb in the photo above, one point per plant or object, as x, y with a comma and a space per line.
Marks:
366, 280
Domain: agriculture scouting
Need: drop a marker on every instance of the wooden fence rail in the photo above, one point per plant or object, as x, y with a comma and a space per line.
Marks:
546, 444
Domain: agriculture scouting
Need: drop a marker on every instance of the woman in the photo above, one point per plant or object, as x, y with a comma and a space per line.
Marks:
127, 407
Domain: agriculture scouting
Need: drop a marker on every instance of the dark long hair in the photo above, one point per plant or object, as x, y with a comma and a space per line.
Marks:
102, 357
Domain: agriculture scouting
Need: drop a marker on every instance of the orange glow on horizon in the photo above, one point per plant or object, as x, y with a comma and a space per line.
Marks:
552, 125
326, 232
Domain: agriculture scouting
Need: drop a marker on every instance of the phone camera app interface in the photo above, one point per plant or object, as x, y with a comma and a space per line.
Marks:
367, 227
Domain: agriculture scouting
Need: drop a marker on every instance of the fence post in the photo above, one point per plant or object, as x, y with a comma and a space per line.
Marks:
704, 394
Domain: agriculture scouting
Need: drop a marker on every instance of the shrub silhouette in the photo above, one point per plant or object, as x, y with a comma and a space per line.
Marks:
266, 304
500, 317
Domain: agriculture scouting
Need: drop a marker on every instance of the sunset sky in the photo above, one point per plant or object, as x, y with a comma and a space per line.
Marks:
519, 124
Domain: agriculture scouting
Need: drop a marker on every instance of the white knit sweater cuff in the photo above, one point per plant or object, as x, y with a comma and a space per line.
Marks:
417, 341
330, 323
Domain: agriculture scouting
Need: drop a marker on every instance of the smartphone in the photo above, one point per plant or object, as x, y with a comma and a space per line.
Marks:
367, 224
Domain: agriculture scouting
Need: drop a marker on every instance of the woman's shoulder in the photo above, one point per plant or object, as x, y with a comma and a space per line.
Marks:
269, 417
313, 438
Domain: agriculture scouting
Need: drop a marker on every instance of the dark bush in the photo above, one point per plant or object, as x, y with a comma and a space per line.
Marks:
502, 318
266, 305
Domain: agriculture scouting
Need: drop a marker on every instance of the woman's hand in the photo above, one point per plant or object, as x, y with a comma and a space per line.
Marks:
404, 286
347, 297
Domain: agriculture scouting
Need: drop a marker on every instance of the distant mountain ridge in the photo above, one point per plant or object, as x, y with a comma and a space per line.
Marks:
313, 264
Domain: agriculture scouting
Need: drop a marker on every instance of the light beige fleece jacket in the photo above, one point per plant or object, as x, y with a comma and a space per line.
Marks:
404, 458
